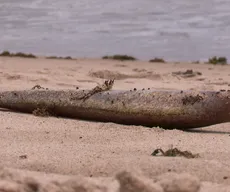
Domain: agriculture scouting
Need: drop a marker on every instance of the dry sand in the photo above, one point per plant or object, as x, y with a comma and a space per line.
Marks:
57, 154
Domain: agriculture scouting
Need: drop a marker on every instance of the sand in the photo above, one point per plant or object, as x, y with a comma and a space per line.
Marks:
57, 154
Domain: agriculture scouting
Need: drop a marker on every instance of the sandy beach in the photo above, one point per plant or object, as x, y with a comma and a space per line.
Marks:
58, 154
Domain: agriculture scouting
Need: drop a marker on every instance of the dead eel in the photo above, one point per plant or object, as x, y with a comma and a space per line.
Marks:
164, 108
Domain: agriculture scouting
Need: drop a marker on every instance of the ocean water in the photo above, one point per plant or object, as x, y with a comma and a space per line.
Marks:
177, 30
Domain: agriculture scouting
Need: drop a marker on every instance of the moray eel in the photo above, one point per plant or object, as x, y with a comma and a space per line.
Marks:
164, 108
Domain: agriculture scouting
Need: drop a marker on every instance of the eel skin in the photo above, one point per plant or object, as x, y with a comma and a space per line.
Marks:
164, 108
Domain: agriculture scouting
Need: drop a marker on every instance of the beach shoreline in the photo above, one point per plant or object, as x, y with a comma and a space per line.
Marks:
221, 60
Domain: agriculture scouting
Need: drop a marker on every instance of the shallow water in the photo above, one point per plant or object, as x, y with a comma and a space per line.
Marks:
173, 29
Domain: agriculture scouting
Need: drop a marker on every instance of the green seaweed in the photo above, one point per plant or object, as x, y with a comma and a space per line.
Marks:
120, 57
5, 53
18, 54
157, 60
218, 60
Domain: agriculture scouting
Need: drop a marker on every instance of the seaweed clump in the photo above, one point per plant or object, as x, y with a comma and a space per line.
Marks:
218, 60
55, 57
18, 54
120, 57
188, 73
157, 60
174, 152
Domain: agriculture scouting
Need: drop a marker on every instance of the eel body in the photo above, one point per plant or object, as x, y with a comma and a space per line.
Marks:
163, 108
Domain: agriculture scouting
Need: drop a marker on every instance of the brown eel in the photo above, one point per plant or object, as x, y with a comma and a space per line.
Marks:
164, 108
